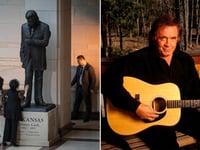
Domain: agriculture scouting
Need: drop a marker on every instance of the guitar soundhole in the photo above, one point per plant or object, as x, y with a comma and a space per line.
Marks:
159, 105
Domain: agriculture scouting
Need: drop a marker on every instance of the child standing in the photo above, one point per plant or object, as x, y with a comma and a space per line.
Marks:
12, 113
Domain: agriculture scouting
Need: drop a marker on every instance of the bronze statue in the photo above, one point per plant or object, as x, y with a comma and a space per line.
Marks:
34, 40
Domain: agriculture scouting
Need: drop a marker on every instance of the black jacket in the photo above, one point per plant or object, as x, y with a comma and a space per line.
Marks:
145, 64
34, 51
12, 107
88, 79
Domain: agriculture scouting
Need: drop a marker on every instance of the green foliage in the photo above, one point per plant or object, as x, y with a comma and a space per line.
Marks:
129, 18
122, 13
116, 52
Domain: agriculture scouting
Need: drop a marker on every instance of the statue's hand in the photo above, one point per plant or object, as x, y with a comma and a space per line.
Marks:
29, 41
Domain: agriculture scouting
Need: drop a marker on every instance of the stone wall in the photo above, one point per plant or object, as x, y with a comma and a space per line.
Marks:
86, 39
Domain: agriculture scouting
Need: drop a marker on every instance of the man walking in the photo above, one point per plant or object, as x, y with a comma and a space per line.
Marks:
85, 80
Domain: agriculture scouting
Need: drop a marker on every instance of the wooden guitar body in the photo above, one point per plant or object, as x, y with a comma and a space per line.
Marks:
127, 123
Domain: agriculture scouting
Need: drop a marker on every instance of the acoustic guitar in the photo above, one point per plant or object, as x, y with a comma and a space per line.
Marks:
164, 98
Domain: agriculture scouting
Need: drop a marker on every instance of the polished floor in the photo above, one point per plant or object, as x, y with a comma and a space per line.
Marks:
82, 136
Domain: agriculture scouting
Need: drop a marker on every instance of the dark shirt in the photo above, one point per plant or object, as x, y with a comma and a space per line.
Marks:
145, 64
34, 51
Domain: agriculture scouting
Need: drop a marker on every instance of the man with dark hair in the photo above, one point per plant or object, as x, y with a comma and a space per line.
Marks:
34, 40
162, 61
85, 80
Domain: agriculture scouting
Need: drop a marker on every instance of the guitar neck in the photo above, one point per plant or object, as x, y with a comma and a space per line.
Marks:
183, 103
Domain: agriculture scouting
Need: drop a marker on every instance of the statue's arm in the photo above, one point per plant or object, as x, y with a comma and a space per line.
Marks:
22, 46
46, 36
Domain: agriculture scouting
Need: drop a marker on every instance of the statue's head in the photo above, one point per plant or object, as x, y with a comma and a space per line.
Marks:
32, 18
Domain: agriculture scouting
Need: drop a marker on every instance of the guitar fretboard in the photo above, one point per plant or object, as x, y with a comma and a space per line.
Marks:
183, 103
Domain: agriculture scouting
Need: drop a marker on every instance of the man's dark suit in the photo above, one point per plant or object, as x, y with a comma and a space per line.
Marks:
35, 51
83, 91
33, 56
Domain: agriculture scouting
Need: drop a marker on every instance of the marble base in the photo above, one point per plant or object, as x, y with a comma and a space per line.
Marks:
38, 128
38, 108
2, 124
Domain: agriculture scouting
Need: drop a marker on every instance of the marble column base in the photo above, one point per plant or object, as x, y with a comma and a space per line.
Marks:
2, 124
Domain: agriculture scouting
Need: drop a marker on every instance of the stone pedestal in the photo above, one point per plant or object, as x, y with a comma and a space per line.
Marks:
39, 126
2, 123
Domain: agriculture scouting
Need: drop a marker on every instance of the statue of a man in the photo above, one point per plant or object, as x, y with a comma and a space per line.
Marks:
34, 40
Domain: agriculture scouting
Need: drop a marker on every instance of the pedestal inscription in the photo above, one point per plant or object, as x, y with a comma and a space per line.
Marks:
38, 128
